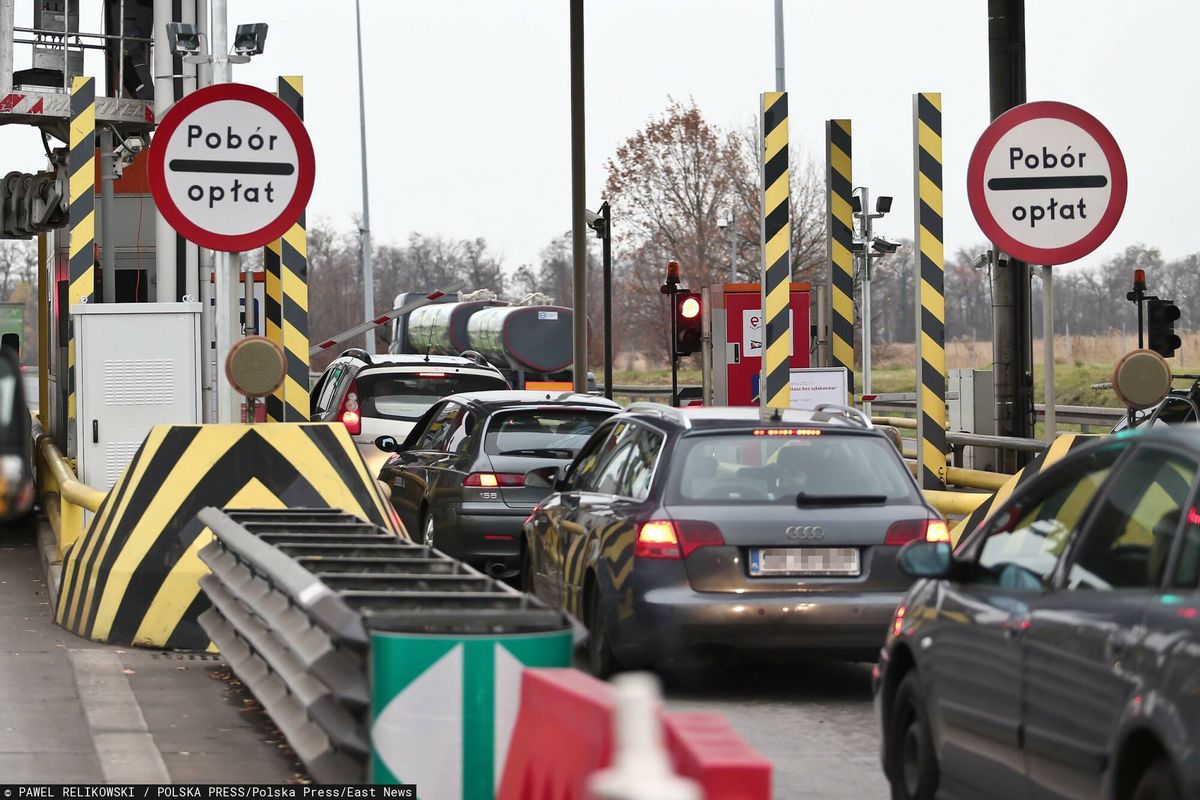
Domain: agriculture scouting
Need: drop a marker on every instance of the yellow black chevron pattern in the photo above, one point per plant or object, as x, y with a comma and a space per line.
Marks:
777, 253
132, 578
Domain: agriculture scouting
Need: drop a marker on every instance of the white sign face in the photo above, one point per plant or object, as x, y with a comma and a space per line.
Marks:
752, 333
231, 167
1047, 183
815, 385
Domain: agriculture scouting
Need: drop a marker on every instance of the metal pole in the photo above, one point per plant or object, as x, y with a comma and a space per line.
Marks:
191, 252
365, 228
1048, 348
226, 266
205, 256
1012, 347
108, 269
866, 297
671, 350
606, 258
164, 95
706, 349
733, 243
578, 189
822, 304
120, 50
7, 34
779, 84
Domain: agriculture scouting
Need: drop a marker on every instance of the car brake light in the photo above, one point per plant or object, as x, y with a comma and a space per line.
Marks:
666, 539
494, 479
657, 539
907, 530
353, 422
348, 413
431, 374
937, 531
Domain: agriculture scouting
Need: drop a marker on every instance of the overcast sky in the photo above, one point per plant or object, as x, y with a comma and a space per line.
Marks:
468, 100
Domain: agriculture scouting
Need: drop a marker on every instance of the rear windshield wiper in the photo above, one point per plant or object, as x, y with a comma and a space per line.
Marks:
549, 452
803, 499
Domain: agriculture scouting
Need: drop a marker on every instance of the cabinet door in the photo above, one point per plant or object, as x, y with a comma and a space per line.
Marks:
133, 371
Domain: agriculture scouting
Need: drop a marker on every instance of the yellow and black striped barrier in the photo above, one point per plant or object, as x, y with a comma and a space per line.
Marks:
1063, 445
930, 290
286, 266
839, 224
132, 578
777, 257
81, 221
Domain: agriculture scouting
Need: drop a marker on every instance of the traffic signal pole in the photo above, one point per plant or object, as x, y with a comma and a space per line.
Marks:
1012, 339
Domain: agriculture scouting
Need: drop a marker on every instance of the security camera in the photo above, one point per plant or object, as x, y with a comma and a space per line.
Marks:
134, 144
982, 260
884, 245
595, 222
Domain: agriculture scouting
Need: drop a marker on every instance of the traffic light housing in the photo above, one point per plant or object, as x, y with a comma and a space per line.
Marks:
688, 322
1161, 316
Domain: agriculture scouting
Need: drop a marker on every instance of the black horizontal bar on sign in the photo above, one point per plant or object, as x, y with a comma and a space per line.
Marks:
1049, 182
231, 167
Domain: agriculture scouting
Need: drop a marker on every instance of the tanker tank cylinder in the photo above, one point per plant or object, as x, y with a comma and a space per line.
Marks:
528, 338
441, 329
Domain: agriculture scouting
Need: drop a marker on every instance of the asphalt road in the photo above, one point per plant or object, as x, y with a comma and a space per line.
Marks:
814, 721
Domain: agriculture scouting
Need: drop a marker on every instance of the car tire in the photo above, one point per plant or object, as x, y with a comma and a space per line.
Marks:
427, 530
602, 662
911, 760
1158, 782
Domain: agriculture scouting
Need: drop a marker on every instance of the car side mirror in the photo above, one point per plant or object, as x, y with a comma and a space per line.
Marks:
919, 559
387, 444
544, 478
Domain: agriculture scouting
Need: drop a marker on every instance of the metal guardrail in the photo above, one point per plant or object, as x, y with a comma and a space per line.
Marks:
295, 595
64, 497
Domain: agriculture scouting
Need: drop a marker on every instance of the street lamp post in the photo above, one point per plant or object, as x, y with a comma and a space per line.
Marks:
365, 227
869, 247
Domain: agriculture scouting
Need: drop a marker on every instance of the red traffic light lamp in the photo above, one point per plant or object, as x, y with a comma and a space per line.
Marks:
688, 323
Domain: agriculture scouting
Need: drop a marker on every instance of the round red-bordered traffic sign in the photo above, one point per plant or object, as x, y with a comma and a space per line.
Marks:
1006, 200
235, 207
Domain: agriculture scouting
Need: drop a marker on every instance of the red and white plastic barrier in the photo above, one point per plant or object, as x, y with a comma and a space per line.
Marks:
565, 732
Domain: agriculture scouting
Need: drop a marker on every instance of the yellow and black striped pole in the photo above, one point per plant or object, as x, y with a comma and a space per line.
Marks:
839, 228
286, 265
774, 389
930, 289
81, 221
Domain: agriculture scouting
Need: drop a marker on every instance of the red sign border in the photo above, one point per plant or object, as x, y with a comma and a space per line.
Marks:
1046, 109
305, 167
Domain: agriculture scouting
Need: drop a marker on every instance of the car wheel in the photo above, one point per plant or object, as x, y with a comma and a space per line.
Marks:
1158, 782
428, 529
912, 762
601, 660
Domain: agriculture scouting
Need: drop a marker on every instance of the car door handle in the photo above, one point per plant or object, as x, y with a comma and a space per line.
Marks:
95, 431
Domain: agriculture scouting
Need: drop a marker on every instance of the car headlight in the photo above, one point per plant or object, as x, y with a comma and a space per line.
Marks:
12, 467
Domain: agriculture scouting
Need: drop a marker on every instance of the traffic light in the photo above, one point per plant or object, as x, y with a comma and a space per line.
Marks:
687, 323
1162, 315
31, 204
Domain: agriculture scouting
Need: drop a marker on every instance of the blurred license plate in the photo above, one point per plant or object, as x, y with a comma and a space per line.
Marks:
804, 561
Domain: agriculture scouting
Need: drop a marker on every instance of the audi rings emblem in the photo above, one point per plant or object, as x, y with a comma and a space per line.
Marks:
806, 532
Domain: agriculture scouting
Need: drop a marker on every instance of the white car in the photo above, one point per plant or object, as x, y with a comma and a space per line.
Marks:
386, 394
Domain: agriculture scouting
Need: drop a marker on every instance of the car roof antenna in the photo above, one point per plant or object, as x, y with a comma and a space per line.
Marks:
776, 415
428, 350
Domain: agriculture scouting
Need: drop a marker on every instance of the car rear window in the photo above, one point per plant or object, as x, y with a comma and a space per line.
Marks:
408, 395
777, 465
549, 432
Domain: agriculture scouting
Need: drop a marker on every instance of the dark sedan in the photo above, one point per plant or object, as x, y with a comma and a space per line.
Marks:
1056, 652
459, 477
16, 449
705, 529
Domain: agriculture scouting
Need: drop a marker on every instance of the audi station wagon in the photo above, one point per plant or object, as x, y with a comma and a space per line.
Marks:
679, 531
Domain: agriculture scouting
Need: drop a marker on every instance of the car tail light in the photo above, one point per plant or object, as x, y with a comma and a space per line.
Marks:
662, 538
907, 530
348, 413
657, 539
494, 479
898, 620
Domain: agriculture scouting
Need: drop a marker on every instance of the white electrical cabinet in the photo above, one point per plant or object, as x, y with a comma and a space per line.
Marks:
137, 366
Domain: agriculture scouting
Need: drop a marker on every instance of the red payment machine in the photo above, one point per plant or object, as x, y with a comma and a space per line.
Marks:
737, 339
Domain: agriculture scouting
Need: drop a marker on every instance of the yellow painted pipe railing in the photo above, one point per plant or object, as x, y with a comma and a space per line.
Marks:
896, 422
64, 497
970, 478
957, 504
